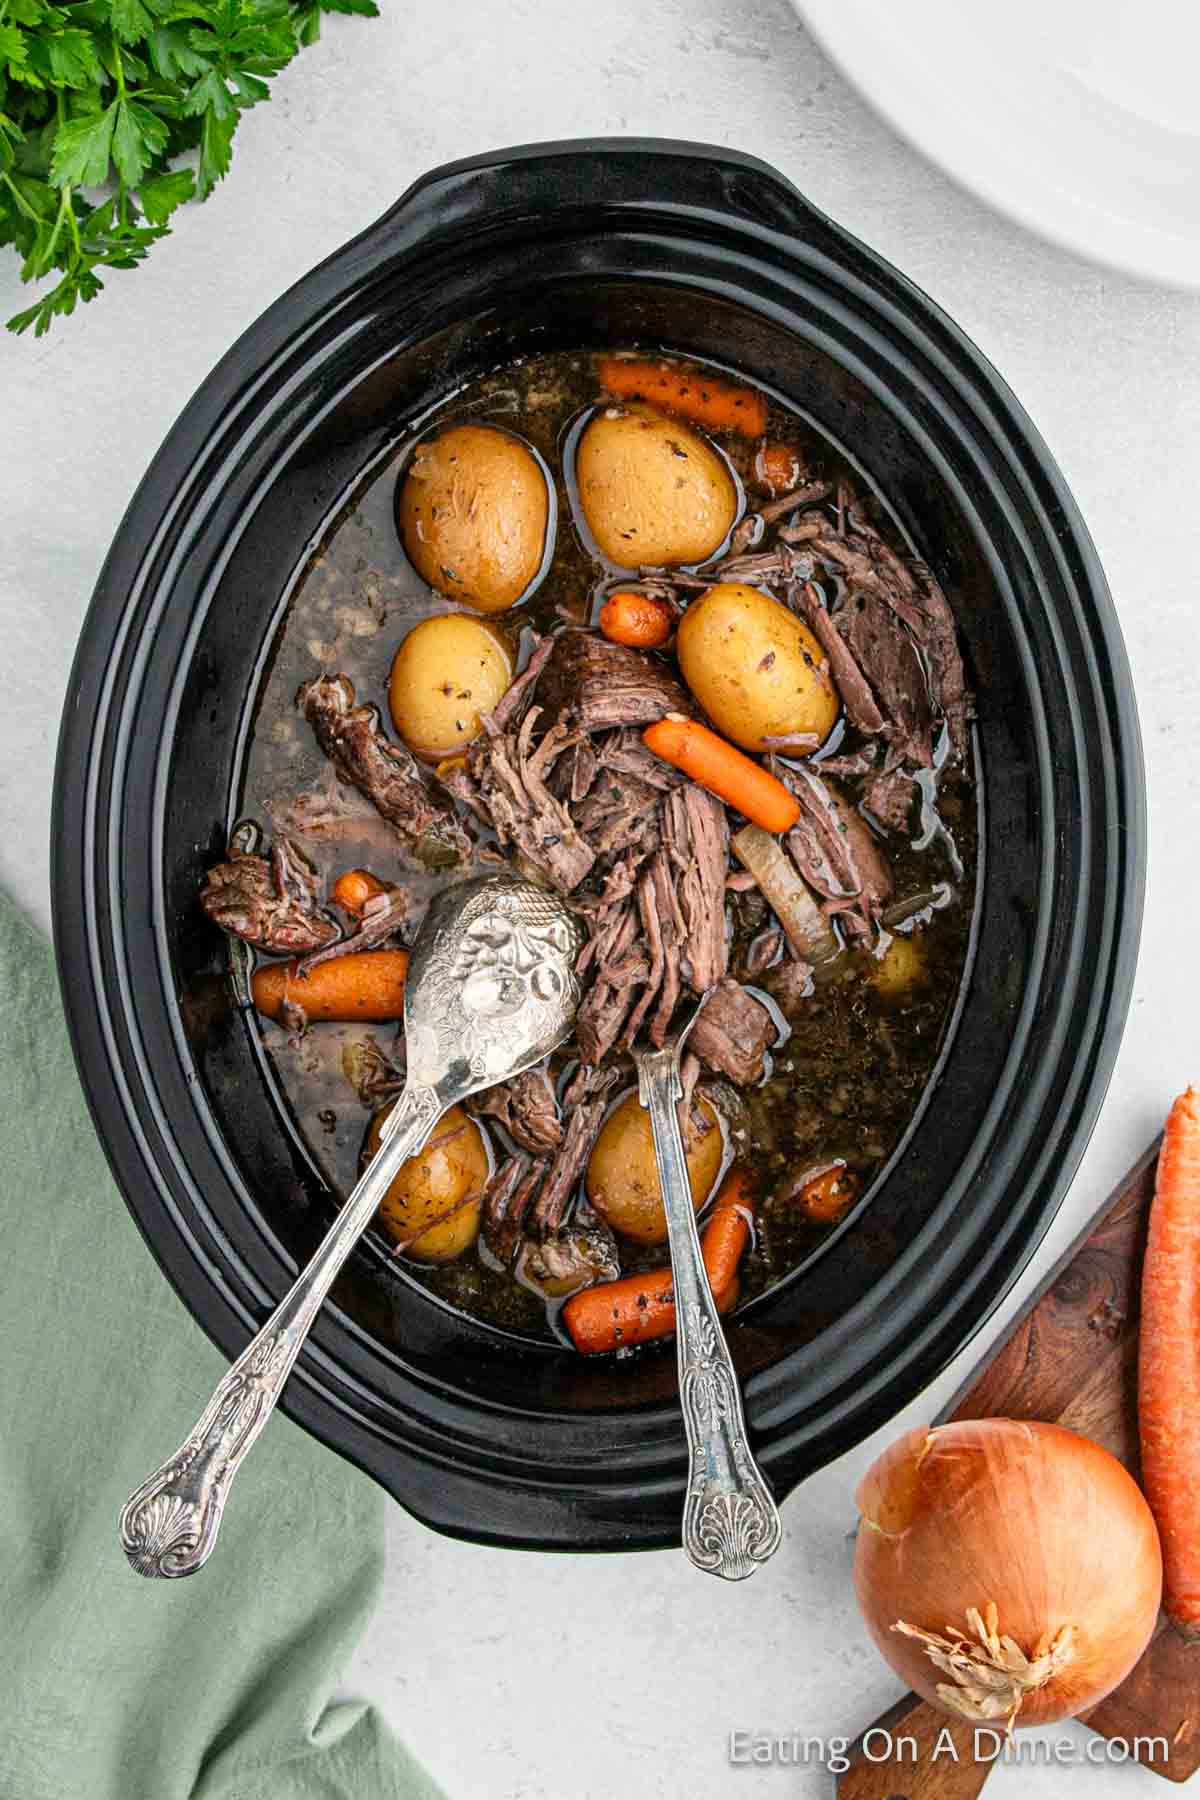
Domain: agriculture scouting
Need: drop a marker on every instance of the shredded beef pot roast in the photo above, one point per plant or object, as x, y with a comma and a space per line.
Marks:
816, 1025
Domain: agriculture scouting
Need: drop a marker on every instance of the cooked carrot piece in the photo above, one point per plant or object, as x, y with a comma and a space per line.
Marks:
640, 1307
777, 468
692, 394
367, 984
1169, 1363
830, 1195
636, 619
729, 773
354, 888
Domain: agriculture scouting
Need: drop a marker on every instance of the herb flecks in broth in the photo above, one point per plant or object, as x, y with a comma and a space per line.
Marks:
811, 641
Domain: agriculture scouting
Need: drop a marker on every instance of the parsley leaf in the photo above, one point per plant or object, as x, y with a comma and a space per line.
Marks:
99, 100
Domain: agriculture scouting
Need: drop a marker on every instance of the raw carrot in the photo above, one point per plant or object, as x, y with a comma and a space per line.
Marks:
640, 1307
1169, 1363
829, 1196
354, 888
367, 984
636, 619
720, 405
777, 468
724, 771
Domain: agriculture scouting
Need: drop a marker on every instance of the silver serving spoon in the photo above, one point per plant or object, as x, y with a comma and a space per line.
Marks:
491, 990
730, 1520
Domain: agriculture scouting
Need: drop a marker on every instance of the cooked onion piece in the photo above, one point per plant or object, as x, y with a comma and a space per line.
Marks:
474, 508
759, 674
805, 923
1007, 1571
447, 672
651, 489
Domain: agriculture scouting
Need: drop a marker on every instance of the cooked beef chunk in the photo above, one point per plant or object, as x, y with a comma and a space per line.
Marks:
696, 838
588, 1084
506, 1201
351, 738
510, 782
619, 813
625, 754
848, 678
855, 763
381, 916
619, 966
269, 901
887, 654
576, 1256
648, 938
598, 684
526, 1108
733, 1033
834, 850
510, 775
869, 565
583, 1125
575, 772
889, 798
789, 984
666, 932
760, 954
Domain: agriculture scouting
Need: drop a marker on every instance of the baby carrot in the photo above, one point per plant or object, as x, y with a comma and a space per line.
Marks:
636, 619
367, 984
777, 468
829, 1195
724, 771
638, 1308
354, 888
720, 405
1169, 1363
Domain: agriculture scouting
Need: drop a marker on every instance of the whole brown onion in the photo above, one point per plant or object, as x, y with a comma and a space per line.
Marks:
1006, 1568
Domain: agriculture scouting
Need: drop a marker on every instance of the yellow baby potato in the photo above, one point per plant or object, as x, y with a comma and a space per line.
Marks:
651, 489
901, 968
448, 671
622, 1173
474, 508
432, 1208
757, 671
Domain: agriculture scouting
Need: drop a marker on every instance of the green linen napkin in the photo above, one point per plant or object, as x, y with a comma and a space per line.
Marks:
113, 1687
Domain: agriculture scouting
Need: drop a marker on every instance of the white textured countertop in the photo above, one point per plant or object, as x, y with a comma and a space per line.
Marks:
534, 1676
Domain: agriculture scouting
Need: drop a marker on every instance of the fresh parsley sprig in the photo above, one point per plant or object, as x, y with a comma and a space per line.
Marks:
114, 112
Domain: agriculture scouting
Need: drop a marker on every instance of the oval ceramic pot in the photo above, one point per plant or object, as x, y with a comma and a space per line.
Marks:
485, 1435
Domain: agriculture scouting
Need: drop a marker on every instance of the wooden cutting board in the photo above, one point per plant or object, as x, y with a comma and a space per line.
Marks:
1071, 1357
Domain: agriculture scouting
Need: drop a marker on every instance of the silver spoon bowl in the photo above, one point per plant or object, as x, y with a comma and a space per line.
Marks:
491, 990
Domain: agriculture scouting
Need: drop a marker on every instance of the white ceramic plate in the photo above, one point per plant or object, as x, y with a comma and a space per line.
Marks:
1079, 118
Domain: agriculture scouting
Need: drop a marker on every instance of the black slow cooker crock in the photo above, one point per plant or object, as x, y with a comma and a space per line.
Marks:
563, 245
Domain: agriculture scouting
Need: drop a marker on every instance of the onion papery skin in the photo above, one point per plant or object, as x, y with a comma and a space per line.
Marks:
1044, 1523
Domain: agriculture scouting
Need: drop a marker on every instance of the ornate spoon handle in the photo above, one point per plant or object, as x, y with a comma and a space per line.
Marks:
730, 1521
169, 1526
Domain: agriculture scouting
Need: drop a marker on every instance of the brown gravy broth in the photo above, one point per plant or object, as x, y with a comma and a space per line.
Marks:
846, 1081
